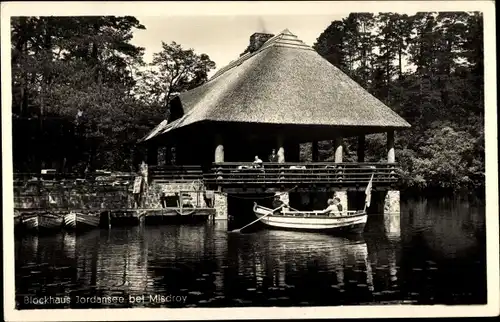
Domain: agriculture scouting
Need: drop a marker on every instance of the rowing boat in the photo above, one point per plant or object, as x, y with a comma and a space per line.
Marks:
39, 222
348, 221
76, 220
285, 218
18, 220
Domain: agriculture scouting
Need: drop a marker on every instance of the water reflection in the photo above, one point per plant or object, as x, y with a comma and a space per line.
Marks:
392, 226
432, 253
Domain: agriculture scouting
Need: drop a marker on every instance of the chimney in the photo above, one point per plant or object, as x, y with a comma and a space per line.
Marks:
256, 41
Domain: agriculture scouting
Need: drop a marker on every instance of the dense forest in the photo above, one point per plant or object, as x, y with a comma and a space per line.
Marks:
82, 95
429, 69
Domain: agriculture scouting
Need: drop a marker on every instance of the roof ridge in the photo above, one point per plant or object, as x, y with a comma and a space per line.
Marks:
284, 39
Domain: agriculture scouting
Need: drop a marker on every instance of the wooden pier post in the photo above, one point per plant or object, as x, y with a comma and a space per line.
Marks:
142, 217
281, 149
338, 149
392, 198
109, 219
391, 156
220, 205
314, 151
341, 194
219, 149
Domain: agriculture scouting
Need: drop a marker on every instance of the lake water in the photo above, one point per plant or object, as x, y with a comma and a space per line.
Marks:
432, 253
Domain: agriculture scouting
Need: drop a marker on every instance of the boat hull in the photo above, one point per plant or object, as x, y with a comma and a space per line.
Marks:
81, 221
354, 222
18, 222
42, 222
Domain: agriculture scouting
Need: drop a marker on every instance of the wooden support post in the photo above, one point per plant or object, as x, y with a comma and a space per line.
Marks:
391, 157
361, 148
152, 154
180, 202
338, 149
109, 219
292, 152
314, 151
219, 149
220, 205
281, 149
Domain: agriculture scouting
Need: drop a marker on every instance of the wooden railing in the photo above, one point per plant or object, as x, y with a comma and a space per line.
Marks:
176, 173
122, 178
229, 173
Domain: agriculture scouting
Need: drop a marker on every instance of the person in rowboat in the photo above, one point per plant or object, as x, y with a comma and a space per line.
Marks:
338, 204
257, 164
332, 209
278, 204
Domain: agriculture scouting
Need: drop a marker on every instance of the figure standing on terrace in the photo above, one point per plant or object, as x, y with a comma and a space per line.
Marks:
257, 162
173, 156
273, 157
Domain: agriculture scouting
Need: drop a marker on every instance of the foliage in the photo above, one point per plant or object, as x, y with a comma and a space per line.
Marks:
429, 68
75, 94
174, 70
82, 95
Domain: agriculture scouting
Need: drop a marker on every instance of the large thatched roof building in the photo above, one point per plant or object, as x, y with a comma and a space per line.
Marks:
279, 87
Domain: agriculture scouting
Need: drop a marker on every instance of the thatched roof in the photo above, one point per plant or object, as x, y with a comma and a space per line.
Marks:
284, 82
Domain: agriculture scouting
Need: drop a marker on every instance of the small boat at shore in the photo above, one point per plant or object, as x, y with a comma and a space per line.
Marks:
18, 220
76, 220
42, 221
349, 221
285, 218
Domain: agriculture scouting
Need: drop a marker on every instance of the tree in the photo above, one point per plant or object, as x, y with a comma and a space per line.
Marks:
51, 63
172, 71
428, 67
331, 45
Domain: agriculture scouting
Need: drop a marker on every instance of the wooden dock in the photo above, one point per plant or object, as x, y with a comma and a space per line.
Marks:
135, 212
111, 217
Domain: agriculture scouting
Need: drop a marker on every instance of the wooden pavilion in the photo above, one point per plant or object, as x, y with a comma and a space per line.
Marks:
278, 94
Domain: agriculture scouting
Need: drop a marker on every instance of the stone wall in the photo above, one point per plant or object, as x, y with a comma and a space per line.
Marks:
73, 194
392, 202
220, 205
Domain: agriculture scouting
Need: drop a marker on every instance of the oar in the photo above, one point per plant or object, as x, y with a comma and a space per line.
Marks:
253, 222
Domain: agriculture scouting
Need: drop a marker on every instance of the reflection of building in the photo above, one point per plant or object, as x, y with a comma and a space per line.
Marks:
121, 261
219, 249
282, 257
181, 258
392, 226
383, 256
